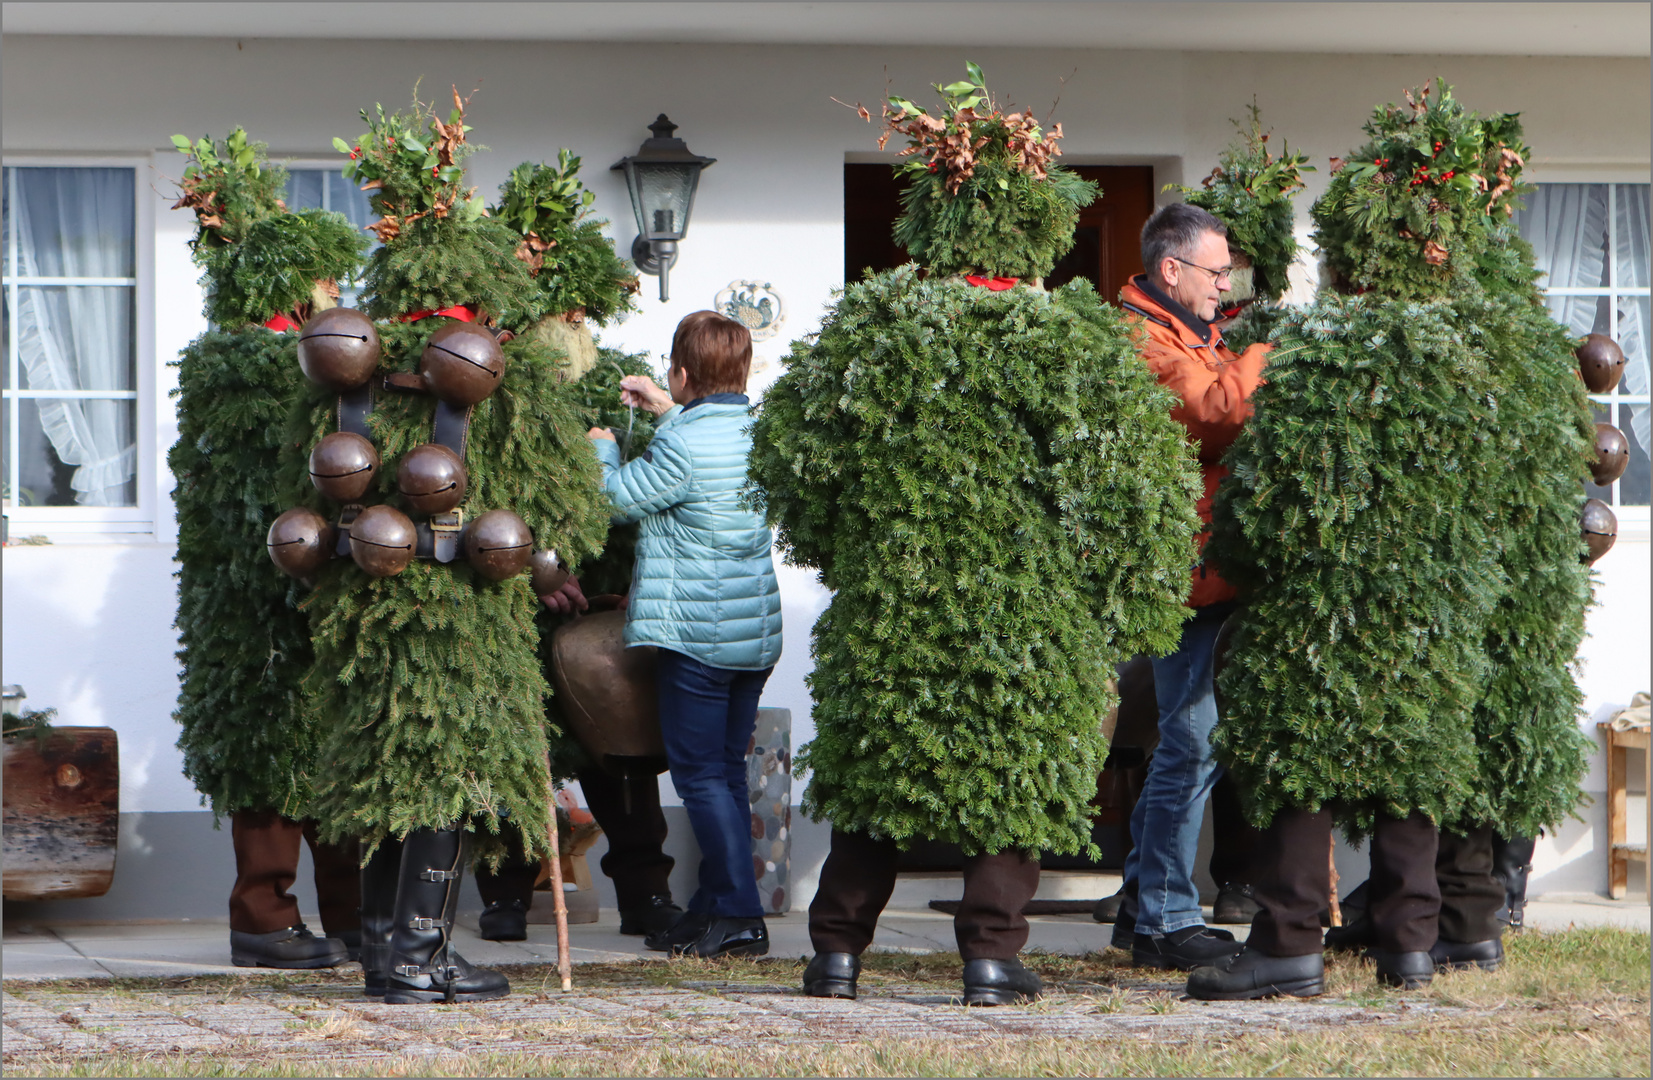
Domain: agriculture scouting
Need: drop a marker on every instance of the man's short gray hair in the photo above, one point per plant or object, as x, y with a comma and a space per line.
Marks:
1172, 232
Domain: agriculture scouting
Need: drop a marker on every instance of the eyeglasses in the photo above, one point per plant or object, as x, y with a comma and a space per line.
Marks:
1216, 275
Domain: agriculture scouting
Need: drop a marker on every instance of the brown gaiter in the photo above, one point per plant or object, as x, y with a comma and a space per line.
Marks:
266, 865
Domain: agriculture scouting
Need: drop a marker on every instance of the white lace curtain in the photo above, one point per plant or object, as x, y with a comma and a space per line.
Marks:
78, 223
1567, 225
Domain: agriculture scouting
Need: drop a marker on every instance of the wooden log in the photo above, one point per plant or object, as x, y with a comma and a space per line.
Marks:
61, 813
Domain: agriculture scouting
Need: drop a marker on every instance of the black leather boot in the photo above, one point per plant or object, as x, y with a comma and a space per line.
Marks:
1463, 955
1124, 918
1107, 908
503, 920
378, 912
1352, 936
999, 982
423, 965
289, 947
832, 975
655, 915
1511, 863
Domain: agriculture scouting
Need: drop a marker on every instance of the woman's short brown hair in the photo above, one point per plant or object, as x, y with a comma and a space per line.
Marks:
714, 351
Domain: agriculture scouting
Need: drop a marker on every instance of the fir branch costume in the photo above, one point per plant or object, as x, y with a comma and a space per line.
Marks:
992, 487
1404, 506
246, 743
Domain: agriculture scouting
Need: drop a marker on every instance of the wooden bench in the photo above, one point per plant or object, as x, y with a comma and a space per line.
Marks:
1620, 853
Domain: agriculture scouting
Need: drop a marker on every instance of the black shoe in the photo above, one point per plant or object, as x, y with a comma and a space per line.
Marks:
1184, 950
423, 965
352, 942
689, 927
290, 947
503, 920
728, 937
1463, 955
1124, 922
1107, 908
999, 982
1236, 904
656, 914
1250, 974
1406, 970
832, 975
1351, 937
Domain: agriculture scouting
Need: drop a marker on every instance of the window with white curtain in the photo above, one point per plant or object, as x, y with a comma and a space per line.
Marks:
71, 379
309, 187
1592, 242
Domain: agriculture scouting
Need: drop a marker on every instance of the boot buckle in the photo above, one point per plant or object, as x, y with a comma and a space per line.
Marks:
438, 875
420, 923
408, 971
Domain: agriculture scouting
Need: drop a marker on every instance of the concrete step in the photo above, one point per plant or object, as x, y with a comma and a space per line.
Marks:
916, 890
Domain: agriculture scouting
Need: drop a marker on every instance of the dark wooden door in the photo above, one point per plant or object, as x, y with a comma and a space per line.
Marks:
1106, 247
1107, 250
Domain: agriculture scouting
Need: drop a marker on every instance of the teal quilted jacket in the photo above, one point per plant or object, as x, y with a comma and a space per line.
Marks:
704, 583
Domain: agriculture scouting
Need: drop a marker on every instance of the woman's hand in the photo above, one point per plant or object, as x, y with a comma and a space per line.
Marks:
600, 433
644, 393
567, 600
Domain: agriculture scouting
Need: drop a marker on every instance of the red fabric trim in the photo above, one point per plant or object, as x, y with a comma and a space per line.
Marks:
462, 312
280, 324
995, 284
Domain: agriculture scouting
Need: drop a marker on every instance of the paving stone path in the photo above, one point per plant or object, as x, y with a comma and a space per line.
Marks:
311, 1016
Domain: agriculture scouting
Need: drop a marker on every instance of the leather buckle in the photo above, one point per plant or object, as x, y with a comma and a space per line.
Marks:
347, 517
445, 532
408, 971
438, 875
419, 922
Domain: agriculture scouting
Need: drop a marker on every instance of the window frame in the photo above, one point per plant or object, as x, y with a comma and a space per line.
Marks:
1635, 521
93, 522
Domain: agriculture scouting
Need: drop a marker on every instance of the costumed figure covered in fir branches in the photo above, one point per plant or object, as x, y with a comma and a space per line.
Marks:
248, 745
1404, 513
989, 480
1250, 191
581, 282
442, 455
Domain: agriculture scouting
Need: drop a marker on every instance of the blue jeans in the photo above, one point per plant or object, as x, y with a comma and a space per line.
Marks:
1165, 826
707, 717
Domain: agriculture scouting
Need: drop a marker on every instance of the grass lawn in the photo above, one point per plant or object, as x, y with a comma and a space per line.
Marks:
1566, 1004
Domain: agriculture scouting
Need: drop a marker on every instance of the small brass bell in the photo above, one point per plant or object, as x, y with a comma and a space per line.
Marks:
300, 542
342, 466
1601, 529
498, 544
339, 349
431, 479
548, 572
1600, 363
381, 541
462, 363
1612, 455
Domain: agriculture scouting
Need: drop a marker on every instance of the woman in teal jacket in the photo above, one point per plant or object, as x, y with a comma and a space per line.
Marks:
704, 594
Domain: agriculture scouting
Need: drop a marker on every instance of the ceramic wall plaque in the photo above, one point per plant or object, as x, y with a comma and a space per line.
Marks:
754, 304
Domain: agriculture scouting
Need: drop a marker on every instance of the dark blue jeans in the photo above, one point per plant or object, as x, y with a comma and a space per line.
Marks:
1165, 826
707, 717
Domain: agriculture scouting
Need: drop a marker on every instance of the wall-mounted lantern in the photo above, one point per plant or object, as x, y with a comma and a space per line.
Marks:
661, 177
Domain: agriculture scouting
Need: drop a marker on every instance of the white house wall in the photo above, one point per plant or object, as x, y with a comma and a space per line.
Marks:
87, 625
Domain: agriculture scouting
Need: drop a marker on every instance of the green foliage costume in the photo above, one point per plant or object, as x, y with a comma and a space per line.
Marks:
1403, 508
992, 486
427, 684
245, 644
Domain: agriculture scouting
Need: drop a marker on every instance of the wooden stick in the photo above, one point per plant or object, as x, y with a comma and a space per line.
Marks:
565, 966
1331, 859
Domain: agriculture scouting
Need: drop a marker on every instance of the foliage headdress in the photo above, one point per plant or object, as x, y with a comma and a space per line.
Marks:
258, 259
1417, 204
984, 193
1250, 190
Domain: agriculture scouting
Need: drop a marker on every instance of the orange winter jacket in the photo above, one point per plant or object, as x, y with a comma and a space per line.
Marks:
1215, 386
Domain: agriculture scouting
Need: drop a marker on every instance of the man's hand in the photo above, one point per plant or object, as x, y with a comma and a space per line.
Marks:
600, 433
644, 393
568, 600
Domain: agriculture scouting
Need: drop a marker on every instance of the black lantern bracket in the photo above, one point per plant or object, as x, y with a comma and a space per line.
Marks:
661, 178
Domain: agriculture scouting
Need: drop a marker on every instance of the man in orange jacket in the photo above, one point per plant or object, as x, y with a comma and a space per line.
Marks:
1185, 252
